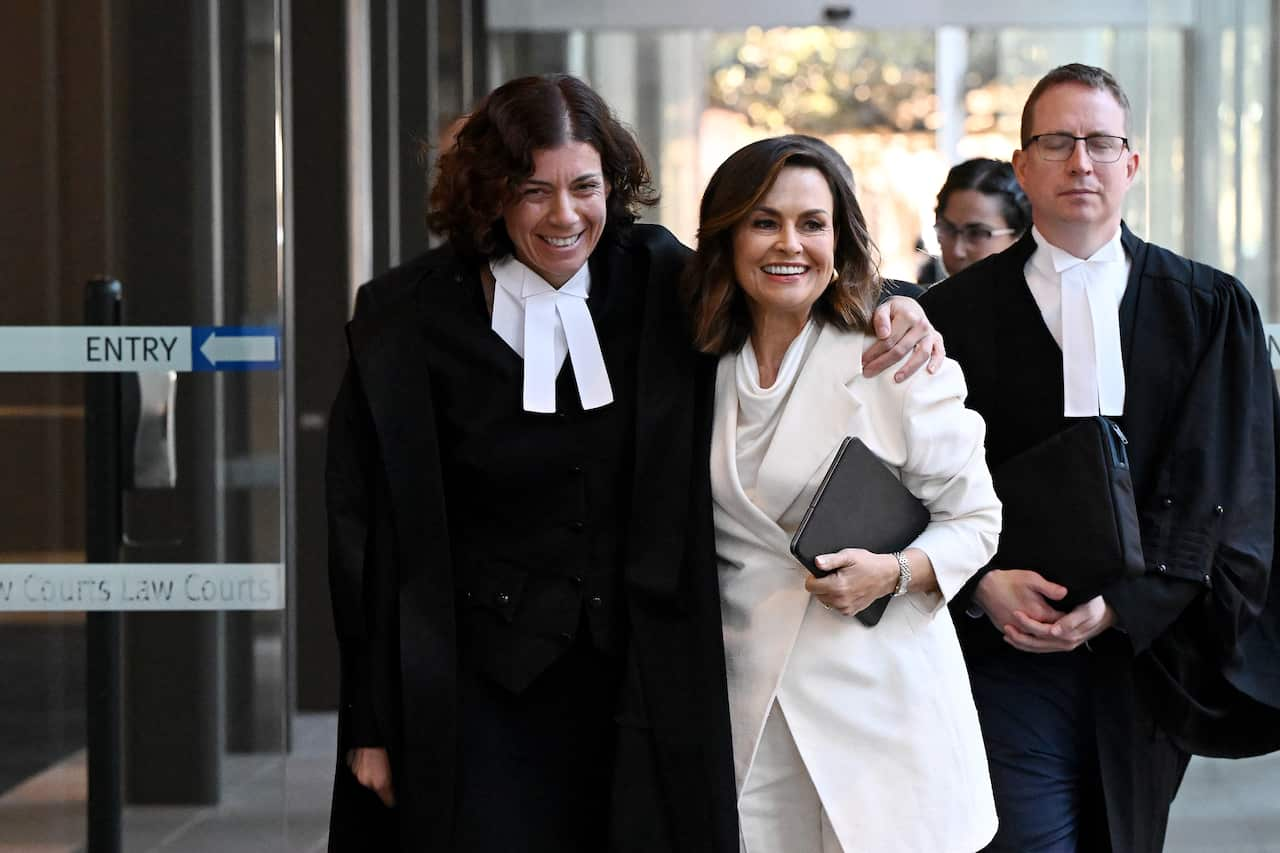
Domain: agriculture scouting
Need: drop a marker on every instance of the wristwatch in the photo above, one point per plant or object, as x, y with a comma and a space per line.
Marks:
904, 574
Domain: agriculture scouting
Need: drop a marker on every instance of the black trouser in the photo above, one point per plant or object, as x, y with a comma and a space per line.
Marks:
535, 769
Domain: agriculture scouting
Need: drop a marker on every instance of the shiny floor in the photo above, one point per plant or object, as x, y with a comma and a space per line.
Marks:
270, 804
273, 804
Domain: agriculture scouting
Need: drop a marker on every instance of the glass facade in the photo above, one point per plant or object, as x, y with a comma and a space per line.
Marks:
904, 104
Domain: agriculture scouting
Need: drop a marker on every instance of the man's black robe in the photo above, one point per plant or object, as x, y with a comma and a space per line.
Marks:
1196, 650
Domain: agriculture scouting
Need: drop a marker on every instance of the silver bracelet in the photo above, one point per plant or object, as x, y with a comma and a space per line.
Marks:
904, 574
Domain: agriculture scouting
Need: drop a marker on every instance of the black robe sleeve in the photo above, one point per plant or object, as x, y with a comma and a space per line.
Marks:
894, 287
350, 500
1218, 551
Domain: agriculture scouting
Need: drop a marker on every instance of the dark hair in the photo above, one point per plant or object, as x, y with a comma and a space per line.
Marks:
833, 155
1081, 75
493, 154
718, 307
993, 178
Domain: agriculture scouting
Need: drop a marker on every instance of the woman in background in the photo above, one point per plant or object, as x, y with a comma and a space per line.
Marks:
981, 211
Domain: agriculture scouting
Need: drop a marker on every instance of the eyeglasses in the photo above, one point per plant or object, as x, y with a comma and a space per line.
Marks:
1101, 148
973, 234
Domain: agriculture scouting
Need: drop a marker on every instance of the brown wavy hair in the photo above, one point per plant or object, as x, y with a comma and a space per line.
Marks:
493, 155
716, 302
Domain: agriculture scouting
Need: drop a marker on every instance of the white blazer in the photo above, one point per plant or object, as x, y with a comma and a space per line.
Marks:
883, 717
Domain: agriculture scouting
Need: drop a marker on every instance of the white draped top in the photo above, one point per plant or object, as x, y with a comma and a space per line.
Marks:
760, 409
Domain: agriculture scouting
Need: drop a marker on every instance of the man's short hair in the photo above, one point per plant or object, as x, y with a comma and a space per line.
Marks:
1082, 75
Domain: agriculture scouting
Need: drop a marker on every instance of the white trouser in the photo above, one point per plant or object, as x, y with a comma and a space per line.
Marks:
779, 809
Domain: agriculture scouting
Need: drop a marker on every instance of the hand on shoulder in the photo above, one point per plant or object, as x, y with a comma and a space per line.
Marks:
902, 331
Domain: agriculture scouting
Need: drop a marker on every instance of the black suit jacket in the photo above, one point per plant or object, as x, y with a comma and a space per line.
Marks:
1197, 647
391, 575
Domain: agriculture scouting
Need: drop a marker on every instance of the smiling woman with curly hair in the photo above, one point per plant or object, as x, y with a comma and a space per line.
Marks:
493, 154
529, 634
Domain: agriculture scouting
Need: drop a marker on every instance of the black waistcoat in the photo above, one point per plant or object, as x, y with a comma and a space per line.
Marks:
537, 502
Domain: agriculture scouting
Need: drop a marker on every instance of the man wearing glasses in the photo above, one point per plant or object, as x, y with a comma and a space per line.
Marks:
1090, 715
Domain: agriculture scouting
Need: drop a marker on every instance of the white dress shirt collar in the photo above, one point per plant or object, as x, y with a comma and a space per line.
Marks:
1051, 259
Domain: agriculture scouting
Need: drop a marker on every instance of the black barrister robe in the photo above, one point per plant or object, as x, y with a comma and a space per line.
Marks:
1201, 418
392, 579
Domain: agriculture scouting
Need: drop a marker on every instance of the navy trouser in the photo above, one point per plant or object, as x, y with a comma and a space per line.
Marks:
1037, 719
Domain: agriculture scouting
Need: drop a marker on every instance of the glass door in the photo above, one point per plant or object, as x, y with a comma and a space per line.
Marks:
142, 584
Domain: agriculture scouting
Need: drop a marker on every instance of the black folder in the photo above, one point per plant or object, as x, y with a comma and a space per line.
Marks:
860, 504
1069, 510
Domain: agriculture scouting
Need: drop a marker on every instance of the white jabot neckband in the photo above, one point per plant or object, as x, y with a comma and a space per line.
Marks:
1092, 365
543, 325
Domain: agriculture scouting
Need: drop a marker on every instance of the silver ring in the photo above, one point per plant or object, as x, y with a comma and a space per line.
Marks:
825, 605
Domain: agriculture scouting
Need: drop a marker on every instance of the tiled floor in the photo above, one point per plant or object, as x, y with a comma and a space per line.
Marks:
276, 805
269, 805
42, 711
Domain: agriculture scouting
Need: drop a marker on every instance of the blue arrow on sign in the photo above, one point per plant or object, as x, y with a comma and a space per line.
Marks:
235, 348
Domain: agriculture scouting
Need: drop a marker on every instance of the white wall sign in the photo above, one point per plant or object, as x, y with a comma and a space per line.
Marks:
141, 586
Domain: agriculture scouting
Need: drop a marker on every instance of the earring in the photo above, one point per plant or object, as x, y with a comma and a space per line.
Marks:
835, 276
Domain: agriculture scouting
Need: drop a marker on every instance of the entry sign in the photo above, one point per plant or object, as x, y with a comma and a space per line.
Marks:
132, 349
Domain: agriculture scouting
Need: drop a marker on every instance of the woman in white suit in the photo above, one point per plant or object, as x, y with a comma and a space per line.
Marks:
846, 738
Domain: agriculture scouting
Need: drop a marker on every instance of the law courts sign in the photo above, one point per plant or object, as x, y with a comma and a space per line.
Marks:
141, 586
